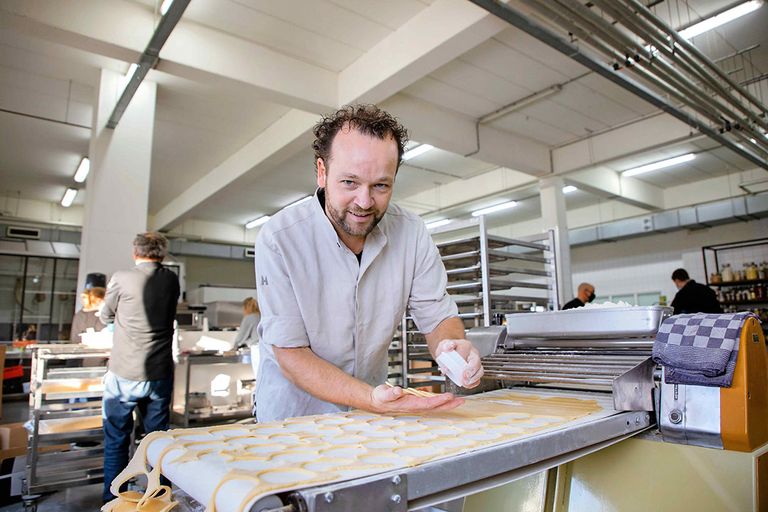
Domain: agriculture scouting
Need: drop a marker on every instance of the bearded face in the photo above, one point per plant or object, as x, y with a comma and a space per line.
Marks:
358, 182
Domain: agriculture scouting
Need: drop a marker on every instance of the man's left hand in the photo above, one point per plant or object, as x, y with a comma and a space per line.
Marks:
466, 350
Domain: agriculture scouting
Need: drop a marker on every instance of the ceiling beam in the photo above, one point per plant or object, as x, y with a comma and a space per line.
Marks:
643, 135
447, 28
278, 142
610, 184
121, 30
455, 132
436, 35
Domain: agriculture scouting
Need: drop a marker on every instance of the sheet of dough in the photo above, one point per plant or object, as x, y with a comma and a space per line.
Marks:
237, 464
61, 425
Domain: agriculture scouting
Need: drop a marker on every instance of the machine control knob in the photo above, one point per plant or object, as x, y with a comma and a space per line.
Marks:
676, 416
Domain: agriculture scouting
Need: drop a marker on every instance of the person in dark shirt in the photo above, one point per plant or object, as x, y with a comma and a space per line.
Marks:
86, 318
693, 297
585, 293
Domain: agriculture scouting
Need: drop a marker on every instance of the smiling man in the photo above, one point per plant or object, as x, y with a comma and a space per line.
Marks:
336, 274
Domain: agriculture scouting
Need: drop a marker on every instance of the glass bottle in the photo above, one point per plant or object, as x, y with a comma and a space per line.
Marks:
727, 273
751, 272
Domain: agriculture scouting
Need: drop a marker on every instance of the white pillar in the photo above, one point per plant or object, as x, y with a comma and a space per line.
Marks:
554, 215
117, 192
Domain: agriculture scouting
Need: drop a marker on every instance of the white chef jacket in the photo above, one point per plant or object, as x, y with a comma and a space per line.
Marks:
313, 292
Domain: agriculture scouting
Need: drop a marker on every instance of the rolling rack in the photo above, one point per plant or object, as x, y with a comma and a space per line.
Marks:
65, 447
489, 276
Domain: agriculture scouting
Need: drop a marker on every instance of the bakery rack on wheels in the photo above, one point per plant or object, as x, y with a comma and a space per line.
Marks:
489, 277
65, 444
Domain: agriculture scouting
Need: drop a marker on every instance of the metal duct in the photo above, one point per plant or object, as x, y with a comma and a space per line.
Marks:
726, 211
180, 247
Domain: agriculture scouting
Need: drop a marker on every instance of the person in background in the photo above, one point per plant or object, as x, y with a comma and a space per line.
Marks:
86, 318
693, 297
246, 335
141, 302
335, 275
585, 293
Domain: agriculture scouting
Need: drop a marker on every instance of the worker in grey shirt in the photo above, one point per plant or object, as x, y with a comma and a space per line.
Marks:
141, 302
335, 274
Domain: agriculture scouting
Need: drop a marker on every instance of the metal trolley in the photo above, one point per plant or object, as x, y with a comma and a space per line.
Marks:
65, 447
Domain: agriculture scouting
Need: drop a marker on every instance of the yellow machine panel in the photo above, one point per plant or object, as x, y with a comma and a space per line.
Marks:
744, 406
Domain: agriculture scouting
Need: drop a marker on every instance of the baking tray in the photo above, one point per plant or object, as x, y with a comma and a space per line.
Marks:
635, 321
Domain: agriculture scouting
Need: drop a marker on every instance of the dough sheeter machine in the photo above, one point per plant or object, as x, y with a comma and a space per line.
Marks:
557, 386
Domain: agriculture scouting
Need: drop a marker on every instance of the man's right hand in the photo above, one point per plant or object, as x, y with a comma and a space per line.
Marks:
385, 399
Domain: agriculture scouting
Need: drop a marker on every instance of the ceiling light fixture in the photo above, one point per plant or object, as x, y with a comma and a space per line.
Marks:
82, 170
165, 6
720, 19
148, 59
418, 150
495, 208
69, 197
669, 162
296, 203
569, 188
258, 221
438, 223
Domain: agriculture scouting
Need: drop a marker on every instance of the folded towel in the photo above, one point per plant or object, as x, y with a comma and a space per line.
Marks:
699, 348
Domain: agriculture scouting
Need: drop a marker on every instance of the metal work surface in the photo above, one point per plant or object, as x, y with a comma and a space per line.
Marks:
609, 322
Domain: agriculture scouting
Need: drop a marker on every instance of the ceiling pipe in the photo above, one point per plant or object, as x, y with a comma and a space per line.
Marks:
589, 35
628, 46
688, 46
694, 65
148, 59
531, 27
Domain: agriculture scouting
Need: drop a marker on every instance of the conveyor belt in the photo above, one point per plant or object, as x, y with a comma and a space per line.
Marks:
586, 420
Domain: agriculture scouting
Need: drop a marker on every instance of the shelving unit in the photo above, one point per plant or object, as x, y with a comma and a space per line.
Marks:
65, 448
741, 294
489, 276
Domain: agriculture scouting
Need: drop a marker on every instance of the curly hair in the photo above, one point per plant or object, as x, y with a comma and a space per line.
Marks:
151, 245
367, 119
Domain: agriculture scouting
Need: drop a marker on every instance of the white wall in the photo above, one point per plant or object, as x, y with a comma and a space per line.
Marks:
645, 264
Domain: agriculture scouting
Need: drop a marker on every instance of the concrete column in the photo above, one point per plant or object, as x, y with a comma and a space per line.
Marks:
117, 191
554, 217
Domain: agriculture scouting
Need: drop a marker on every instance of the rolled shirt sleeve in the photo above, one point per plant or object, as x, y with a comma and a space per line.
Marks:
429, 302
281, 324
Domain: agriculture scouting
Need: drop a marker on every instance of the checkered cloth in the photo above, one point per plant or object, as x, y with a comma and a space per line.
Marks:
700, 349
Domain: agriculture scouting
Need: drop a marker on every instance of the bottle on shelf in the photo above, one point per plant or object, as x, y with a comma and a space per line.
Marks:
727, 273
715, 278
750, 272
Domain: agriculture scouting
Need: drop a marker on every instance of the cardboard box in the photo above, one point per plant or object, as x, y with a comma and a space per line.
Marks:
13, 435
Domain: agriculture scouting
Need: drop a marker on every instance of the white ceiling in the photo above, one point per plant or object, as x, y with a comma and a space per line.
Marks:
213, 98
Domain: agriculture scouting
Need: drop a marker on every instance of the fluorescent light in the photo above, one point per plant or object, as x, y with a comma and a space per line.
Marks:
495, 208
69, 197
165, 6
569, 188
257, 222
659, 165
82, 170
418, 150
296, 203
721, 19
438, 223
